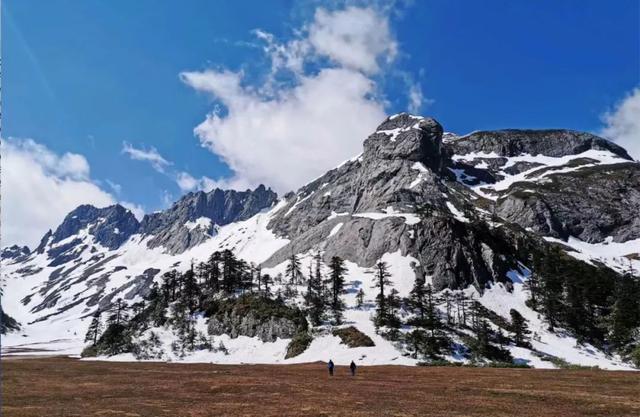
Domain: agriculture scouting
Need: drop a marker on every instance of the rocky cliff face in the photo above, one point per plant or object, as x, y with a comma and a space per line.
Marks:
193, 219
591, 204
549, 142
368, 207
440, 202
110, 226
557, 183
249, 325
15, 252
85, 227
249, 316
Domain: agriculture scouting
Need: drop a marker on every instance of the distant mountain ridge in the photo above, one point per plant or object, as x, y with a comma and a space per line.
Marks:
461, 212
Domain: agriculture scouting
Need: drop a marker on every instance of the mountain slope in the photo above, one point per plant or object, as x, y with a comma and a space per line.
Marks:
462, 213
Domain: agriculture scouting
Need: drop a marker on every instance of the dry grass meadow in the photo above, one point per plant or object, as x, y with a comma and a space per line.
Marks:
58, 386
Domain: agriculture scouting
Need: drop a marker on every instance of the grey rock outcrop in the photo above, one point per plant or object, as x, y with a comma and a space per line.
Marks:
549, 142
590, 204
406, 166
15, 252
111, 226
7, 323
172, 229
375, 198
235, 324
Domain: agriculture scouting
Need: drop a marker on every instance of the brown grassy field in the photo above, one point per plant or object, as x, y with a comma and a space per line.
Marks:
65, 387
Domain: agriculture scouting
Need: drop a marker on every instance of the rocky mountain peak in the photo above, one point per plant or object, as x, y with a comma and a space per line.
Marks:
547, 142
111, 226
194, 217
410, 138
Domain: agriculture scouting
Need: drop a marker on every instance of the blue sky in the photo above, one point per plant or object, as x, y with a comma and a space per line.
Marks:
95, 78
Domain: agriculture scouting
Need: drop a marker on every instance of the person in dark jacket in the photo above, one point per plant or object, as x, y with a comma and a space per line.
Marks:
353, 368
330, 366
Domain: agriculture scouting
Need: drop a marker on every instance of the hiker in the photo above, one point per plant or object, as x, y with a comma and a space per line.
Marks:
353, 368
330, 366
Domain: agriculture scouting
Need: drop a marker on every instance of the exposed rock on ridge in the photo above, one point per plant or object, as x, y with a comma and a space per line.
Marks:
548, 142
172, 230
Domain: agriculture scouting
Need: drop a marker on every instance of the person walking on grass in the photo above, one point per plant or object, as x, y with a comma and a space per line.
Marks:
353, 368
330, 366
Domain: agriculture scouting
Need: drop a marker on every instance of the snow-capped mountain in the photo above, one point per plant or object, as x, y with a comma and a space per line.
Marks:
462, 212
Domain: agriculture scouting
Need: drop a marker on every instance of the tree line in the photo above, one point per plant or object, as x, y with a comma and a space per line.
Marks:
593, 302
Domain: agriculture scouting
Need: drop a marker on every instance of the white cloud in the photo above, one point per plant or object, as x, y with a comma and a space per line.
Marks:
187, 182
150, 155
416, 99
134, 208
286, 134
39, 188
285, 141
355, 38
623, 124
117, 188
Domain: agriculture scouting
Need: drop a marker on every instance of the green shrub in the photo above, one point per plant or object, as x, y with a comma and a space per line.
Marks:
563, 364
353, 337
440, 362
89, 352
298, 344
262, 308
508, 365
635, 357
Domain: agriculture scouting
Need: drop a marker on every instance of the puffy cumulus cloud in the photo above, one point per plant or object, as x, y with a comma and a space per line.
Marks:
622, 124
39, 188
285, 141
150, 155
354, 38
284, 134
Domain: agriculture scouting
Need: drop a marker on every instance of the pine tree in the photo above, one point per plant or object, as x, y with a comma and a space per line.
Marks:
314, 298
336, 276
214, 273
461, 302
202, 273
417, 339
481, 348
624, 320
293, 271
382, 281
231, 270
170, 284
393, 322
266, 283
519, 329
190, 294
95, 328
532, 284
551, 286
447, 300
416, 301
158, 302
436, 340
118, 313
430, 318
259, 277
360, 298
